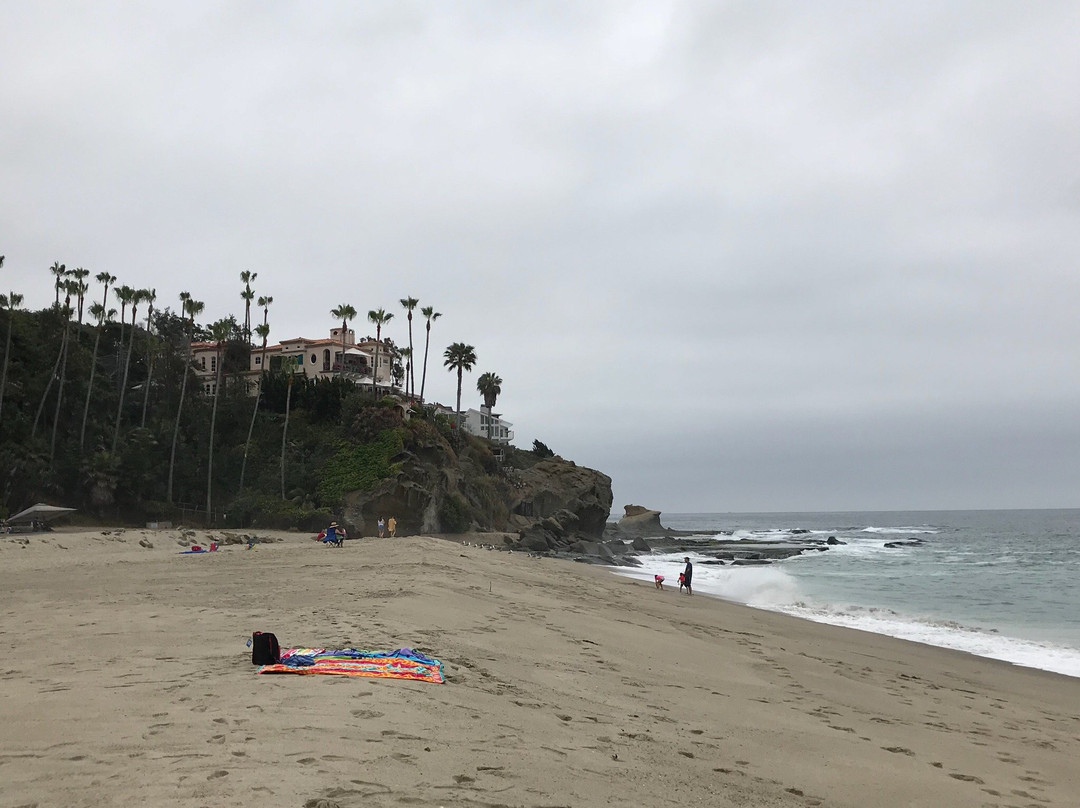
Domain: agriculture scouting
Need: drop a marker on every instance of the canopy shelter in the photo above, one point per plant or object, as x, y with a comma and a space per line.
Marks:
39, 513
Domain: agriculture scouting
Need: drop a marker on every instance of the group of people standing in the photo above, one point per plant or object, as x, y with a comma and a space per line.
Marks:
685, 578
335, 534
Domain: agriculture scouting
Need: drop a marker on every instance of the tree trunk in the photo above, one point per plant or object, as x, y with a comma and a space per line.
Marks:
89, 391
48, 387
423, 376
284, 433
459, 370
254, 412
375, 370
7, 355
59, 394
411, 376
149, 377
210, 456
176, 427
123, 385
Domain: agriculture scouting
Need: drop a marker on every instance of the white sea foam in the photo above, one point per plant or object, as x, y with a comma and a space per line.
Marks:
770, 587
922, 529
946, 634
764, 586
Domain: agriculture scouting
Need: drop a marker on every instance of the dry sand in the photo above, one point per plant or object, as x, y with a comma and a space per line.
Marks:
126, 680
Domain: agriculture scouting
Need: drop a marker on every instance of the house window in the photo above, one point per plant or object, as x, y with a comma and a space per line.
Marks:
313, 359
202, 362
258, 360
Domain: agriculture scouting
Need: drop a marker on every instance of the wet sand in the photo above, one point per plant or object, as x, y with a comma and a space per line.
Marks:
126, 680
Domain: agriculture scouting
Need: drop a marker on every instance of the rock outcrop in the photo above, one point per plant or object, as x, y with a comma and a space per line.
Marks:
639, 522
548, 504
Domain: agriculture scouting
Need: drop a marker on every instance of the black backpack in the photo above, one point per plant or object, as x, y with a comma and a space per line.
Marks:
264, 649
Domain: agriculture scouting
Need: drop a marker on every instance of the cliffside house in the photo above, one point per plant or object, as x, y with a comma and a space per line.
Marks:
316, 358
478, 422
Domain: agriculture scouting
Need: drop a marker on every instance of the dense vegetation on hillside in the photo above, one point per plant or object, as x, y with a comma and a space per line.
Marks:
73, 433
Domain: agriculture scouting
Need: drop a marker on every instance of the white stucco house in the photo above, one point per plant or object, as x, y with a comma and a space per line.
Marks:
316, 358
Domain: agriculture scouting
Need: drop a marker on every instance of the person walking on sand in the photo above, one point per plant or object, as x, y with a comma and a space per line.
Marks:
688, 573
391, 525
382, 527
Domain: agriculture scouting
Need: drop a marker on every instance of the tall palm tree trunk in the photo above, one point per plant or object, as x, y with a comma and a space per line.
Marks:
59, 393
423, 376
254, 412
410, 375
210, 457
48, 386
146, 386
375, 370
89, 390
459, 397
123, 385
7, 355
176, 426
284, 433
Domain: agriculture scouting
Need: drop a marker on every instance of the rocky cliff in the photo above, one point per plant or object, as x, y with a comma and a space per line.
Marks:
439, 482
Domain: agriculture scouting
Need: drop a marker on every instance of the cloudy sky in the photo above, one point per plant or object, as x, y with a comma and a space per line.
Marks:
739, 256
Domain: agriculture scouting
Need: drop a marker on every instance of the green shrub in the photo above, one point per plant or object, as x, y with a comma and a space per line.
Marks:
359, 467
454, 514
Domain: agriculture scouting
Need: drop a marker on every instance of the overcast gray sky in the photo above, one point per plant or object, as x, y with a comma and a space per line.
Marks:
739, 256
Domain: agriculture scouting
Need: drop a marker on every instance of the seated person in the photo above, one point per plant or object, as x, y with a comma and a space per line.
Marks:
334, 535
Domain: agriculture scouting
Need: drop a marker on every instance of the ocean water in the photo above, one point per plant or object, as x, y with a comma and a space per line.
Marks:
999, 584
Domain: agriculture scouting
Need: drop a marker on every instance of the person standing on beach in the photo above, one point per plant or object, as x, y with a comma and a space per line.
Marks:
382, 527
391, 525
688, 573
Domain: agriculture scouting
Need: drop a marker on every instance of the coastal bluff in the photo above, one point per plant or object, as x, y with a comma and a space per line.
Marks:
437, 487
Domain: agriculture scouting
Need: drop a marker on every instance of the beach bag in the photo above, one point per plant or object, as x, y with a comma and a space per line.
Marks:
264, 649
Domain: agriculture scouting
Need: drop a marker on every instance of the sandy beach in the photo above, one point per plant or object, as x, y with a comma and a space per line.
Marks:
126, 679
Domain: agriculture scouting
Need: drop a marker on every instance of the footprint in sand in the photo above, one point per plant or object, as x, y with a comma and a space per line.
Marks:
217, 774
367, 714
967, 778
899, 750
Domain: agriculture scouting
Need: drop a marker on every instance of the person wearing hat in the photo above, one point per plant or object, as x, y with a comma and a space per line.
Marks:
334, 535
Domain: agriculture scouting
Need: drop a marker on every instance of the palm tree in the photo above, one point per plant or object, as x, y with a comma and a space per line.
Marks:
430, 313
288, 364
10, 302
99, 313
264, 304
106, 280
263, 330
410, 303
459, 357
192, 308
219, 332
136, 296
489, 385
150, 295
58, 271
247, 278
380, 318
346, 313
124, 295
71, 287
81, 288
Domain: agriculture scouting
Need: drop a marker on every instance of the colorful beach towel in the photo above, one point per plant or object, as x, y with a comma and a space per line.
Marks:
404, 663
